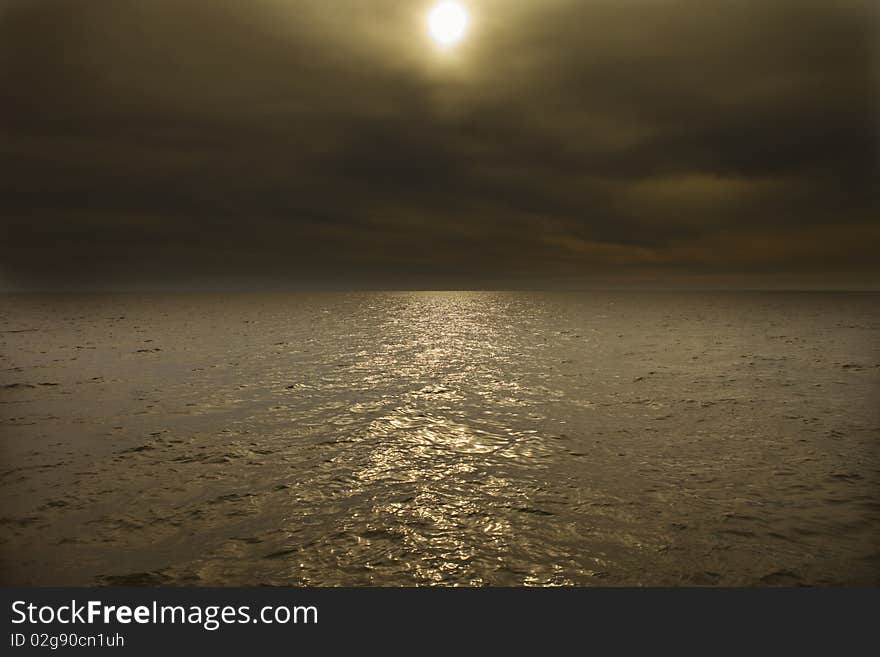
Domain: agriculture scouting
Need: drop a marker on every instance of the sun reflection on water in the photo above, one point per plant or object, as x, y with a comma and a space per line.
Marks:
444, 458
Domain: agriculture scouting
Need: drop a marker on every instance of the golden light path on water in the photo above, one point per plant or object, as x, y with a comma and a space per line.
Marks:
444, 454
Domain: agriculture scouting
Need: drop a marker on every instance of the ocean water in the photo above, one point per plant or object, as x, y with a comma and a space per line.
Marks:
440, 438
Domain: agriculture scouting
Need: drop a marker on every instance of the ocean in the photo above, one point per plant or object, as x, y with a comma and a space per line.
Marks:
440, 438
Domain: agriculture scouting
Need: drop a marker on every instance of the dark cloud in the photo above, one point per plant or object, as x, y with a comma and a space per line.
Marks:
301, 142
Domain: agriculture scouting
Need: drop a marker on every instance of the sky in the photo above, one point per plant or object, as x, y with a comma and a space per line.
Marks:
560, 143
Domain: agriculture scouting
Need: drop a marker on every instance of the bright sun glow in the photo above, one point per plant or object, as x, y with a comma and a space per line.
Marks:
447, 22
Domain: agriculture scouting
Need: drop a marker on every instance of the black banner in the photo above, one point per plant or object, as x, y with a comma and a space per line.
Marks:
144, 621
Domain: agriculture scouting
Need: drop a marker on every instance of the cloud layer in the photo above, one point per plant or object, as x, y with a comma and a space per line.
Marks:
307, 143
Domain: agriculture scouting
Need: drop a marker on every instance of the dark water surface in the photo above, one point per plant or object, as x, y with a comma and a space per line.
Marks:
440, 438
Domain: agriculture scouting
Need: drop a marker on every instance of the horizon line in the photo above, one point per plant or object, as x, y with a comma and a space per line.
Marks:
340, 290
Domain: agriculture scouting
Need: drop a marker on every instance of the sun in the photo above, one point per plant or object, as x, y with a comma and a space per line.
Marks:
447, 22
